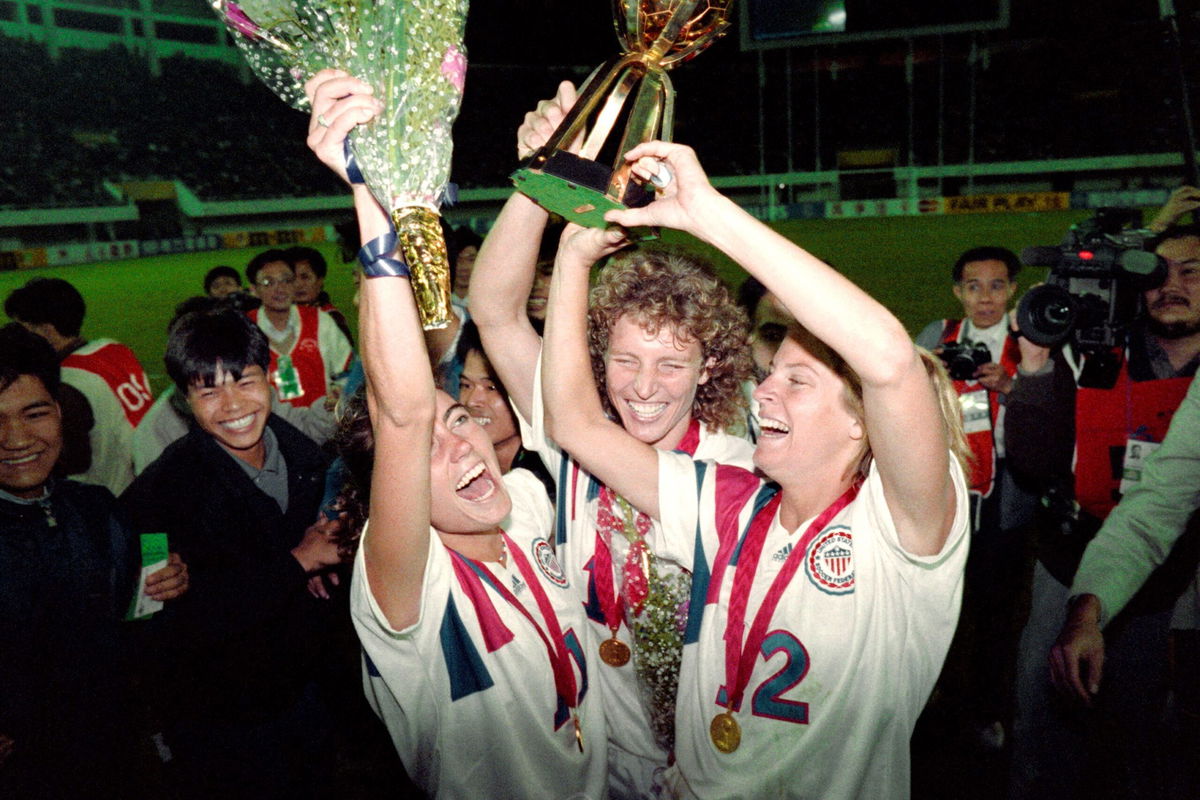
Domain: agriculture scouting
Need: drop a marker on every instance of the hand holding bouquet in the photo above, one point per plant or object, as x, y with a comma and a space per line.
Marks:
411, 53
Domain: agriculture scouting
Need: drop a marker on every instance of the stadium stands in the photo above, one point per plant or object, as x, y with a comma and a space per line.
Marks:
81, 118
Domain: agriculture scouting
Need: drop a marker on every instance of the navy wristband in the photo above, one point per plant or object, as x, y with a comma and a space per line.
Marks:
353, 173
375, 260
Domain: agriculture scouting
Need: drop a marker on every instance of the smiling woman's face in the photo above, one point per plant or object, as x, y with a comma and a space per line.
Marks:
652, 380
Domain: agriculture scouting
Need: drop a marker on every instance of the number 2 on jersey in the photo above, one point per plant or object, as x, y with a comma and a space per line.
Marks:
768, 697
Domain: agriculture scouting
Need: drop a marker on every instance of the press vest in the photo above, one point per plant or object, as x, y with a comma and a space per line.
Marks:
981, 477
1105, 420
309, 384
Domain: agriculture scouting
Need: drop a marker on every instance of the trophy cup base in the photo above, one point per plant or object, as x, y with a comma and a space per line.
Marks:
577, 190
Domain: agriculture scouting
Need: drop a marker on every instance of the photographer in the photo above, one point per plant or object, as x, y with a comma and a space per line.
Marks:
1076, 442
982, 359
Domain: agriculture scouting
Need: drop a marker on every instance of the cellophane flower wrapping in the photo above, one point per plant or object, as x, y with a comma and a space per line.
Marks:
409, 51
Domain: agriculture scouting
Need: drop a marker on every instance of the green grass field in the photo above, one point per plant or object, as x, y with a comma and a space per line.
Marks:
904, 261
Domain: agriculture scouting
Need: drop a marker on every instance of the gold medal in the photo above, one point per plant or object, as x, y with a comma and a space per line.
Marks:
578, 733
725, 732
614, 652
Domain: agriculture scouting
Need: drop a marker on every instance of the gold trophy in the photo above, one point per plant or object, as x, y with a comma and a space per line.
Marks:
656, 35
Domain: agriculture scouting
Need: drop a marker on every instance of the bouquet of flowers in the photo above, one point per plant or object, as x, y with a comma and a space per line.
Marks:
411, 53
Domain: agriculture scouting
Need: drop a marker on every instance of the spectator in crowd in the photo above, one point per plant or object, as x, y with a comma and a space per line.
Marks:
485, 694
462, 249
462, 245
1184, 200
239, 496
1075, 441
539, 292
668, 347
865, 492
768, 323
221, 281
486, 399
310, 269
308, 351
1134, 540
982, 358
170, 418
69, 568
107, 373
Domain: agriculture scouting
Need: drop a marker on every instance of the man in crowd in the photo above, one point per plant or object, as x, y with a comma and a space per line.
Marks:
1078, 442
308, 352
222, 281
107, 373
68, 571
310, 269
982, 359
463, 244
239, 497
170, 417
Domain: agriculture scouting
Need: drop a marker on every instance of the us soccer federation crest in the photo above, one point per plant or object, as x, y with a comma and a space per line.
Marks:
829, 562
543, 556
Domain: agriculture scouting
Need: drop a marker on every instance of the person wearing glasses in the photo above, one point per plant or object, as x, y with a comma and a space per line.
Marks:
308, 350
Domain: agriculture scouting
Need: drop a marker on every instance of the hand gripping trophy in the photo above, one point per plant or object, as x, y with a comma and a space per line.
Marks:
413, 56
656, 35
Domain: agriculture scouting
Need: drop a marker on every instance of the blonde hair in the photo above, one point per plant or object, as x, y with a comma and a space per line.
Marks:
951, 409
668, 288
852, 395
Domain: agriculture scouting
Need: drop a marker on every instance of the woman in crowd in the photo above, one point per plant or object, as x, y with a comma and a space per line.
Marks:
791, 685
486, 399
469, 629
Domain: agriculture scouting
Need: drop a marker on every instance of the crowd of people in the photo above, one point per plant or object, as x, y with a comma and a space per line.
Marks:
144, 126
616, 538
166, 125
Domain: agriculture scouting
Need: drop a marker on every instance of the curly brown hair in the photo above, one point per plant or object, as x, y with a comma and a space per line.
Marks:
667, 287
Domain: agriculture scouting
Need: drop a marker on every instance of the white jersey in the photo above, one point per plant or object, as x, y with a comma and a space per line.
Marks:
850, 655
109, 376
472, 723
630, 728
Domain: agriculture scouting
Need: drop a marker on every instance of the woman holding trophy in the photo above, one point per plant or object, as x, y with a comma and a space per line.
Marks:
822, 603
468, 628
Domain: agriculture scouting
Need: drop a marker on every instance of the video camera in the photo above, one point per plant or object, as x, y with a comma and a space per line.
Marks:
1093, 291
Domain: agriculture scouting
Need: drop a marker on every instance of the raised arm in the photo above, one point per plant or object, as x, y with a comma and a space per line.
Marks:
505, 268
902, 416
574, 417
400, 391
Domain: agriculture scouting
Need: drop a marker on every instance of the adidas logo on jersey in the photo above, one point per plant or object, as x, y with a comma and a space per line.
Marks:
518, 585
783, 552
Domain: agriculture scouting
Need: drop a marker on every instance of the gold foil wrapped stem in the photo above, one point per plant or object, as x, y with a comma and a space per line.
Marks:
419, 231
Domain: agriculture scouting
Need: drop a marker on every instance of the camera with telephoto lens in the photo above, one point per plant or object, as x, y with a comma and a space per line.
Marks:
1093, 292
963, 358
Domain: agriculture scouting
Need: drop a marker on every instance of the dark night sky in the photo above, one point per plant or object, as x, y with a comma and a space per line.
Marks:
540, 32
